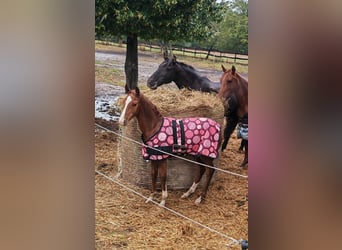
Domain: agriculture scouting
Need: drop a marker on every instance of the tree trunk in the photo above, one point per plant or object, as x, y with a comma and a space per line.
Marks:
131, 63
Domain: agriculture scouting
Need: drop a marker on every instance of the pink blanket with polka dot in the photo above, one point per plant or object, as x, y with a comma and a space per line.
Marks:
201, 138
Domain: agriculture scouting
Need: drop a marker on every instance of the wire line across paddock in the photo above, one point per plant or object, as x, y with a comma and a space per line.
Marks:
176, 156
233, 241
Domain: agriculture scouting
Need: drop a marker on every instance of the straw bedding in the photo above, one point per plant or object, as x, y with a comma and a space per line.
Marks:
125, 221
171, 103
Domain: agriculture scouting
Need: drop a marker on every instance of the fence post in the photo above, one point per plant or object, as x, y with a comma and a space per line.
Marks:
235, 58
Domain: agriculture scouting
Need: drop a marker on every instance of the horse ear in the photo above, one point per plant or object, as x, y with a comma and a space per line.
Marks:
174, 58
137, 91
233, 70
223, 68
126, 89
165, 55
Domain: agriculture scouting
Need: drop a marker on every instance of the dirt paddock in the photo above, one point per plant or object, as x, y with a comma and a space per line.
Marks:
125, 221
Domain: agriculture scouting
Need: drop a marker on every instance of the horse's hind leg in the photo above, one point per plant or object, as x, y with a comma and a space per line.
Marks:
209, 172
245, 160
198, 178
154, 174
242, 145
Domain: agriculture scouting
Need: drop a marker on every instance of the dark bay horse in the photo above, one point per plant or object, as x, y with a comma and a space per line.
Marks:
199, 137
234, 89
185, 76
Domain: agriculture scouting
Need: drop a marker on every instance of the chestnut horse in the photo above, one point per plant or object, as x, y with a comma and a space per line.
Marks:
234, 89
202, 140
185, 76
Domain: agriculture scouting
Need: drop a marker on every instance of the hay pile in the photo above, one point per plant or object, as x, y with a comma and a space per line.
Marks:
171, 103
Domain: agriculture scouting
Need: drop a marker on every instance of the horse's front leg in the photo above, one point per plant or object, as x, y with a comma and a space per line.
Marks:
231, 122
154, 174
162, 166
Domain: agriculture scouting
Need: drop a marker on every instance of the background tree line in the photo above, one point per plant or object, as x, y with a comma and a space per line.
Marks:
205, 23
229, 33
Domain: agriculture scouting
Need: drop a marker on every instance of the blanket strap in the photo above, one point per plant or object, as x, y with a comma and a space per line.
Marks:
181, 125
151, 151
174, 133
176, 146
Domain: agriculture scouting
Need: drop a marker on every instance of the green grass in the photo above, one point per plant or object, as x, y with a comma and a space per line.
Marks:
109, 75
113, 76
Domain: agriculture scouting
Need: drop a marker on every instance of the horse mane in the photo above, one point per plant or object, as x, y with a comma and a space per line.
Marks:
154, 108
187, 66
191, 69
241, 77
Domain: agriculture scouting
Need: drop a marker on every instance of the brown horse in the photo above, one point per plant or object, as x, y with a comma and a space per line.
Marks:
234, 88
202, 139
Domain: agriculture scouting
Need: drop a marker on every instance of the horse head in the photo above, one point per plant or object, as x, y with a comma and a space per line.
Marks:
165, 73
229, 83
233, 85
131, 108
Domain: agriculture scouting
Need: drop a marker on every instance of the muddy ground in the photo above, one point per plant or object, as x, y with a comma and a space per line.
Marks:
125, 221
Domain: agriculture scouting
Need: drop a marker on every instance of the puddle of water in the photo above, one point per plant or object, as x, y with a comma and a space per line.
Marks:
106, 109
106, 96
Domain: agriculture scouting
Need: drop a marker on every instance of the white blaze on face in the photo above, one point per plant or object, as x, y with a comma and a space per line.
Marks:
122, 116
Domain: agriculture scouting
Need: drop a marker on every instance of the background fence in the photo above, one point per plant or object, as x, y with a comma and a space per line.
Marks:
213, 55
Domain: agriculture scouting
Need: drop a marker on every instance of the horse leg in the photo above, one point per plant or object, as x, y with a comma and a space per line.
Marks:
209, 174
162, 165
245, 160
230, 126
154, 174
198, 178
242, 145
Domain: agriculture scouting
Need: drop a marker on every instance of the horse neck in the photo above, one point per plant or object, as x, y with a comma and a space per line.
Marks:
242, 96
149, 118
186, 78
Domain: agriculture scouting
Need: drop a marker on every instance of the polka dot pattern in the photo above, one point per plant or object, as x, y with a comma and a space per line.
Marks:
202, 136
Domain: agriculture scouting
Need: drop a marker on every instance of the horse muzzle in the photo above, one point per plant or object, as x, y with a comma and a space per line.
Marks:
152, 85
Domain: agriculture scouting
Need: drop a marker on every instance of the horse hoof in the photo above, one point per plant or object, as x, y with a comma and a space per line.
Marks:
162, 203
244, 166
185, 195
198, 200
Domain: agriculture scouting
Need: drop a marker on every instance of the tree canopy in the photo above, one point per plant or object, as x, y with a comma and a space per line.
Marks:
233, 31
167, 20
